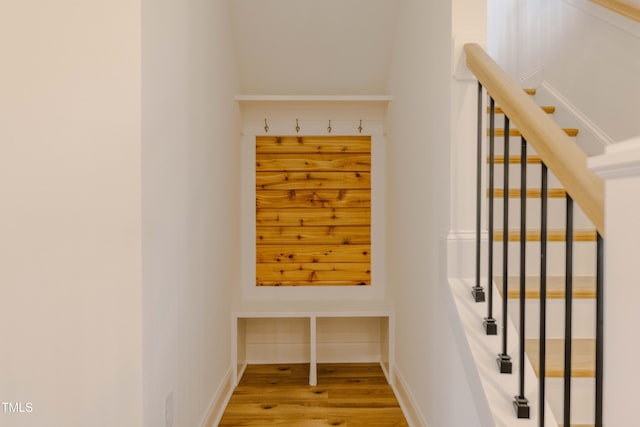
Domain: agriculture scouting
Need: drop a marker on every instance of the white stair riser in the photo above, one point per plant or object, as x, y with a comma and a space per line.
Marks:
583, 323
556, 215
582, 399
584, 258
515, 143
534, 177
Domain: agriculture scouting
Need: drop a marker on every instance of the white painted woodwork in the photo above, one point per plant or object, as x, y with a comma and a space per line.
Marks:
620, 167
489, 385
313, 98
582, 399
584, 315
628, 8
315, 331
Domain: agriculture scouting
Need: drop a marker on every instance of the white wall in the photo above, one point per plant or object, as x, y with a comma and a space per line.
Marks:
70, 250
190, 206
313, 47
591, 56
419, 214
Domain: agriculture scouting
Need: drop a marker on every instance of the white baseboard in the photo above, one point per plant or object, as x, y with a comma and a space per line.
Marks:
492, 391
219, 402
407, 402
613, 18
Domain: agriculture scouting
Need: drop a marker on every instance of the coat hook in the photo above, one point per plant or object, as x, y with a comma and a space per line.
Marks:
297, 126
266, 126
329, 129
360, 127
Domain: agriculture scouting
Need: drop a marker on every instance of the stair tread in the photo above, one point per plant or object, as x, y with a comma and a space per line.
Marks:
549, 109
530, 91
583, 357
516, 132
552, 235
515, 160
532, 193
584, 287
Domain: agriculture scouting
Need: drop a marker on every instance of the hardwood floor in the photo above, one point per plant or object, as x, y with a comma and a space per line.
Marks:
346, 395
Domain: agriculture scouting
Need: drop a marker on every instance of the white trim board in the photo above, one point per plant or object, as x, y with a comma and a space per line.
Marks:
287, 128
621, 160
313, 98
407, 401
312, 314
219, 402
617, 20
591, 139
496, 389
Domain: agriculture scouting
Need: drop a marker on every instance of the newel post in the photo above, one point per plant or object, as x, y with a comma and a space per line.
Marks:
620, 169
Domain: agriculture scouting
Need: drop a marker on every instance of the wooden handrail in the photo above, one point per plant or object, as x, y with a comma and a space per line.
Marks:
562, 155
623, 8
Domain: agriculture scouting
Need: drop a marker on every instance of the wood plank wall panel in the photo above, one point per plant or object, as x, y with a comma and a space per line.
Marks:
313, 144
313, 198
306, 216
312, 180
313, 211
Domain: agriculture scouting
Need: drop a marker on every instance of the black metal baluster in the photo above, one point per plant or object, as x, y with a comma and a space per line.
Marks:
490, 326
568, 313
599, 329
542, 368
504, 360
478, 291
520, 402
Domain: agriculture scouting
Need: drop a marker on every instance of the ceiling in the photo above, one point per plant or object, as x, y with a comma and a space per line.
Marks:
313, 47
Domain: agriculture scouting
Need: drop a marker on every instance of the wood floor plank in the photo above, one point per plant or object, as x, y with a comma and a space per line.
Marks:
350, 395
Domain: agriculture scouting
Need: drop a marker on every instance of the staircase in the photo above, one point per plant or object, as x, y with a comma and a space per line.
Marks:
583, 344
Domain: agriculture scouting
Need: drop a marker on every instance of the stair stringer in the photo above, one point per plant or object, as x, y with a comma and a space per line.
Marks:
591, 139
493, 392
